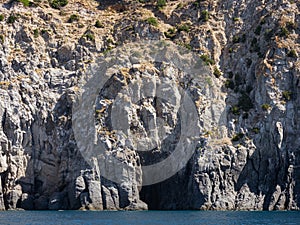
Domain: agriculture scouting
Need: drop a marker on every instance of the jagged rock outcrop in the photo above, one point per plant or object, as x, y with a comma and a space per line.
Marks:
248, 154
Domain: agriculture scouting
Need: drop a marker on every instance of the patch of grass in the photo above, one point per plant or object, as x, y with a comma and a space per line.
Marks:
235, 110
171, 33
1, 39
183, 27
207, 60
217, 72
204, 15
73, 18
152, 21
237, 137
36, 33
188, 46
287, 95
98, 24
1, 17
209, 81
107, 50
266, 107
89, 36
292, 53
255, 130
57, 4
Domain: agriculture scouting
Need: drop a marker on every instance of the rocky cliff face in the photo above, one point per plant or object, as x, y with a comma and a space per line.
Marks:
248, 151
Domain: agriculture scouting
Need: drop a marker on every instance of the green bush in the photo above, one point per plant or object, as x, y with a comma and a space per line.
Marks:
152, 21
98, 24
265, 107
179, 6
196, 4
255, 130
1, 17
170, 33
245, 103
57, 4
161, 3
12, 18
90, 37
237, 137
217, 72
292, 53
183, 27
204, 15
209, 81
229, 84
73, 18
235, 110
36, 33
287, 95
207, 60
236, 39
188, 46
25, 2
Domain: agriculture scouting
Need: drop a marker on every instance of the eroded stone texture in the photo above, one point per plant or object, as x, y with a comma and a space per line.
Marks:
248, 152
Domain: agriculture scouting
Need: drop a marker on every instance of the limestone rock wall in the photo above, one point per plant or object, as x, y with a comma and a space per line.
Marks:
248, 116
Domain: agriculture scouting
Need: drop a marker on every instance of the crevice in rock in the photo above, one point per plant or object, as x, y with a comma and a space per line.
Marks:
3, 179
175, 193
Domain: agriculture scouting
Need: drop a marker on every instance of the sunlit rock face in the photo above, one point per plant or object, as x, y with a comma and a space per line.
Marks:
246, 154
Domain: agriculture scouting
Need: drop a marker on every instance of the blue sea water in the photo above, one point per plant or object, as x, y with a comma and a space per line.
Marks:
147, 217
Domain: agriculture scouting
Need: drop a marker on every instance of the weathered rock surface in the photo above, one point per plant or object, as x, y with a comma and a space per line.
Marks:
249, 154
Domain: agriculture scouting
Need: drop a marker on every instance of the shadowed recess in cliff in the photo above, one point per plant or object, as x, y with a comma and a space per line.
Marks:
176, 193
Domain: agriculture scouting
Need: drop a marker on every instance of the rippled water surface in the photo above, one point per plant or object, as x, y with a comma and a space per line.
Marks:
147, 217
